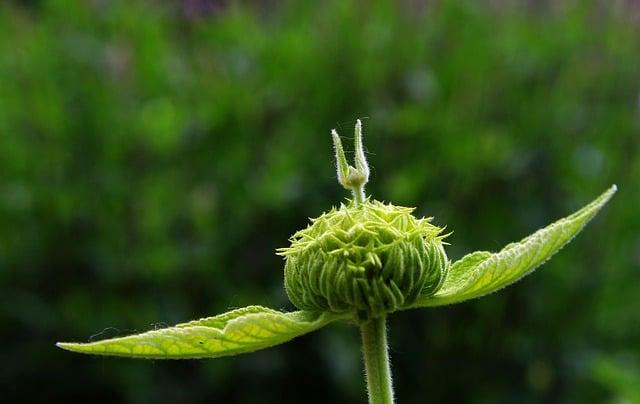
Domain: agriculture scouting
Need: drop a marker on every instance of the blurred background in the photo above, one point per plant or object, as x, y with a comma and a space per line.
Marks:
154, 154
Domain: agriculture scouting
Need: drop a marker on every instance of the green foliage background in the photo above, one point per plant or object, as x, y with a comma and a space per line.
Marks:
153, 155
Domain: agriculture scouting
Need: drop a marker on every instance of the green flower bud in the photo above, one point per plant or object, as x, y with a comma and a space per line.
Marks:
367, 258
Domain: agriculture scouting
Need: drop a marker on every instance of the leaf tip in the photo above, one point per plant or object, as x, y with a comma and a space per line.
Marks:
67, 346
608, 194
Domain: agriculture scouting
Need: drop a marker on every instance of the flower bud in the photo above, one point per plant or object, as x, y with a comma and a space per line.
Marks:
367, 258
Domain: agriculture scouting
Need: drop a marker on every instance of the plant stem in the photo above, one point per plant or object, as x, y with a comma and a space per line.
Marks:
358, 195
376, 361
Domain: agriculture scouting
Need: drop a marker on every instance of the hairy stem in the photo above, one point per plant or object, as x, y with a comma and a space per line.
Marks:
358, 195
376, 361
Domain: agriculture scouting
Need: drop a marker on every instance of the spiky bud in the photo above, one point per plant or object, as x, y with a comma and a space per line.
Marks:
366, 258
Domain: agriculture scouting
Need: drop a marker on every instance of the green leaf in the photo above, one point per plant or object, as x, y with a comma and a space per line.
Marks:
242, 330
482, 272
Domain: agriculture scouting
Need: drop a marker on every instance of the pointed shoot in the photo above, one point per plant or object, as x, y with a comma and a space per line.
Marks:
361, 161
352, 178
341, 160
